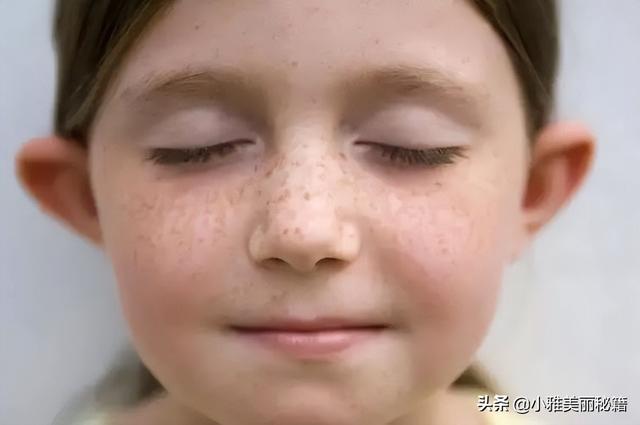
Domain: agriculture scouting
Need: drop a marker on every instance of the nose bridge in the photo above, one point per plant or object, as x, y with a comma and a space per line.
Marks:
309, 178
307, 218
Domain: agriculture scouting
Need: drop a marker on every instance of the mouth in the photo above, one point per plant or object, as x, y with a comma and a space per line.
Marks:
315, 325
309, 339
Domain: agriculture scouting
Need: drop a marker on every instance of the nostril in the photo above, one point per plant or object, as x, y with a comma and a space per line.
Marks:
330, 260
276, 261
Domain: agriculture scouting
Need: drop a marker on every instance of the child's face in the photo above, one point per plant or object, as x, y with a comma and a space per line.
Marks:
302, 219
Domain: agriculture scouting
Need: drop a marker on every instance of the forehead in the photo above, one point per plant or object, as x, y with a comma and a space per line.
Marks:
309, 46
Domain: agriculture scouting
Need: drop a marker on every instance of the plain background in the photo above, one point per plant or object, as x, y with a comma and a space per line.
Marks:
568, 323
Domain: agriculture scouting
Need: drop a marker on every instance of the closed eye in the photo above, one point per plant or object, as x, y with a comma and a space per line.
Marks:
407, 157
177, 156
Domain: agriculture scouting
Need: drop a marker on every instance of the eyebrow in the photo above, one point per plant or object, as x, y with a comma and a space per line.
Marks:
240, 89
421, 82
232, 86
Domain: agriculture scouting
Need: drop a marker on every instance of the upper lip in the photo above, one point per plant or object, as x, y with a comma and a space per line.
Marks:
320, 323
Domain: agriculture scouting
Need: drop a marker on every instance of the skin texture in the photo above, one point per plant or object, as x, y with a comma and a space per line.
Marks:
303, 220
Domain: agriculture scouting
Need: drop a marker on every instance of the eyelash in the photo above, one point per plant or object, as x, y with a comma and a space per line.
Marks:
420, 157
395, 155
172, 156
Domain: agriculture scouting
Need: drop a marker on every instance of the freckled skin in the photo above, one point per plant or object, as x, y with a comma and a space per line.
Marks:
309, 225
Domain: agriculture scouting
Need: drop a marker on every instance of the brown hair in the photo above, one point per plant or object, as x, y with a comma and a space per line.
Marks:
93, 38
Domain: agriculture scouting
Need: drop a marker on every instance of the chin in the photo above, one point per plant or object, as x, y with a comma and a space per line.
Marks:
305, 408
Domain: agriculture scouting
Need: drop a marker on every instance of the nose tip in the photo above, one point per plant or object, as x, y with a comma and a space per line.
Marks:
304, 245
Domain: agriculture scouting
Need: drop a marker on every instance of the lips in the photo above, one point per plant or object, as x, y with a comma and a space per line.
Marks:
315, 325
321, 339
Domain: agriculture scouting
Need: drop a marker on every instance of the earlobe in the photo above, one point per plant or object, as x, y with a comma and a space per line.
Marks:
55, 173
561, 159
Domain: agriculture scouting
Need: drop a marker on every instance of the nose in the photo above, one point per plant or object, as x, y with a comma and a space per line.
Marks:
307, 219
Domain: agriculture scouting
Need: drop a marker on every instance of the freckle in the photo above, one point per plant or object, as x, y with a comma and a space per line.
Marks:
438, 184
285, 231
297, 230
294, 64
306, 196
269, 173
343, 156
197, 27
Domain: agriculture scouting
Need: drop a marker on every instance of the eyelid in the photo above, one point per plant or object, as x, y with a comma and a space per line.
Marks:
410, 126
174, 128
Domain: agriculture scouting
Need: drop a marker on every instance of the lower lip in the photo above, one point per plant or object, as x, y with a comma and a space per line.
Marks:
311, 344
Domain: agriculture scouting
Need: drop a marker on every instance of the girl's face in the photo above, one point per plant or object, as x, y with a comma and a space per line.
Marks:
306, 212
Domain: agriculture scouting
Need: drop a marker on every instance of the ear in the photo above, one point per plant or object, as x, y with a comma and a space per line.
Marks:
561, 158
55, 173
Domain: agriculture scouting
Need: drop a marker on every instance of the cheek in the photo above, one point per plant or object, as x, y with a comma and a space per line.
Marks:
446, 256
167, 252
